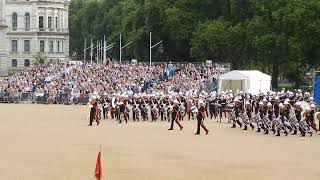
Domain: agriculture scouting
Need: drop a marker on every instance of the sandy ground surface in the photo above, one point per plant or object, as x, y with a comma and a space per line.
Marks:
55, 143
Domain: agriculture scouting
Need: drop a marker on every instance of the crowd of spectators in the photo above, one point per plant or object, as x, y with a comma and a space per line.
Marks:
82, 80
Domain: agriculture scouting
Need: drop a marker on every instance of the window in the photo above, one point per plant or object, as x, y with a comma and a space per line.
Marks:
14, 21
49, 22
41, 22
14, 63
61, 46
56, 22
42, 46
14, 45
58, 46
26, 45
51, 46
26, 63
27, 21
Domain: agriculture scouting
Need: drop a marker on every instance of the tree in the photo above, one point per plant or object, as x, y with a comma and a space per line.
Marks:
274, 36
40, 60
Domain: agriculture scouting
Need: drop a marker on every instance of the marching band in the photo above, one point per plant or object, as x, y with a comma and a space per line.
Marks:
277, 112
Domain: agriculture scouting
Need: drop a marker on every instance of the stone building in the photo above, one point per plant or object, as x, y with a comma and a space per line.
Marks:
30, 29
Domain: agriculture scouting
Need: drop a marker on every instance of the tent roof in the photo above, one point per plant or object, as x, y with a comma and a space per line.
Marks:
241, 75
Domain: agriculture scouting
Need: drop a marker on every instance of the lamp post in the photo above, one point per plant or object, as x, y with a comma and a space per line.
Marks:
152, 46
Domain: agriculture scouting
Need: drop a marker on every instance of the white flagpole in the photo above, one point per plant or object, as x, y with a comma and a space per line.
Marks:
97, 55
91, 51
150, 48
104, 49
120, 53
84, 50
101, 51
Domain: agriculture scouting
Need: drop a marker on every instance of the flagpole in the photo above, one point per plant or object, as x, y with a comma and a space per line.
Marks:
91, 51
120, 51
101, 51
97, 57
84, 50
104, 49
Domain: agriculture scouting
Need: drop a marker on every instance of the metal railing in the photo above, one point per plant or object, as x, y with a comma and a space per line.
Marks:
65, 98
43, 98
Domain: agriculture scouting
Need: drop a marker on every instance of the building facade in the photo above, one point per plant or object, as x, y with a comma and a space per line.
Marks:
31, 29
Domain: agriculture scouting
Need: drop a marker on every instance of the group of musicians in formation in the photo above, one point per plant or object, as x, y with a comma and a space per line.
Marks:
277, 112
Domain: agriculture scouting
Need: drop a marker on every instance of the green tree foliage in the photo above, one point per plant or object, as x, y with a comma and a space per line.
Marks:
280, 37
40, 59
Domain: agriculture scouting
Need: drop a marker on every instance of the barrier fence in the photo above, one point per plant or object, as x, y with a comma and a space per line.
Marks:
67, 98
44, 98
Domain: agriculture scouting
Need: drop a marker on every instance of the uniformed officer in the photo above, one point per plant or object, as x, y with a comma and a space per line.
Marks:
175, 115
200, 117
248, 111
238, 108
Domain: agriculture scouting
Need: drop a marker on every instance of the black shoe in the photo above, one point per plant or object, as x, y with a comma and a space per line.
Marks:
240, 124
233, 126
170, 129
278, 134
259, 130
245, 128
274, 131
197, 134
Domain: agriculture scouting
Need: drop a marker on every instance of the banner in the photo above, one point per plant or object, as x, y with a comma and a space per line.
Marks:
98, 170
317, 90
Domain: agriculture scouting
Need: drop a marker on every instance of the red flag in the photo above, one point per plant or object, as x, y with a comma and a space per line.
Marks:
98, 170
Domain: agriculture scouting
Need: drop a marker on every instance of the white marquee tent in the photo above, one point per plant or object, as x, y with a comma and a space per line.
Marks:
246, 81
